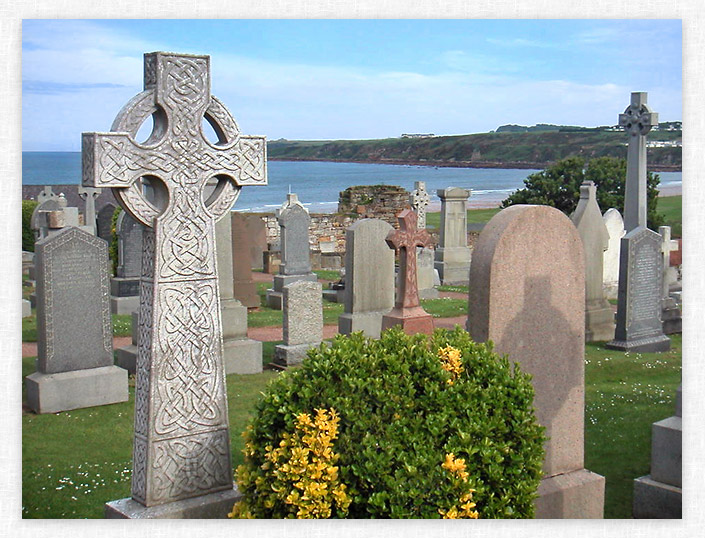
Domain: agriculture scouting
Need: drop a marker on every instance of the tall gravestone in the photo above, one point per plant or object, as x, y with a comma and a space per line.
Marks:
599, 317
528, 297
181, 453
671, 317
407, 310
125, 285
257, 232
104, 222
244, 288
419, 200
610, 267
369, 277
241, 355
74, 328
295, 264
452, 254
639, 325
659, 494
302, 321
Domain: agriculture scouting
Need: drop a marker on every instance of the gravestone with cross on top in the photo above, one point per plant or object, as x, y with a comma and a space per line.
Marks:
181, 453
419, 200
407, 310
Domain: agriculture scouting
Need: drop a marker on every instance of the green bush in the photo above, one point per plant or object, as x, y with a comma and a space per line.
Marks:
28, 207
559, 186
419, 435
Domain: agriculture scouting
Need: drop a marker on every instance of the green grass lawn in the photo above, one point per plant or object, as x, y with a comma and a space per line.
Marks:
73, 462
475, 216
671, 207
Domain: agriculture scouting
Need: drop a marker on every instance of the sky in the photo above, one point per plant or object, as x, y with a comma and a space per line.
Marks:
356, 79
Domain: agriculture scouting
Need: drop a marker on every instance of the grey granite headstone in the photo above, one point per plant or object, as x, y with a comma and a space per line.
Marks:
26, 308
125, 285
74, 328
599, 316
659, 494
369, 277
303, 321
104, 222
182, 444
241, 355
610, 273
452, 254
295, 264
639, 325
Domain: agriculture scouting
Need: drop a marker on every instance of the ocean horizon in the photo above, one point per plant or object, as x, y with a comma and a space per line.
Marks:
318, 183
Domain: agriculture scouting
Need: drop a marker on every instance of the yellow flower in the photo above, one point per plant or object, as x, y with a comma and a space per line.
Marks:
451, 362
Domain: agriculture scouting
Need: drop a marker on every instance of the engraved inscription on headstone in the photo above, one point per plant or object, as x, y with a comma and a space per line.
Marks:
181, 446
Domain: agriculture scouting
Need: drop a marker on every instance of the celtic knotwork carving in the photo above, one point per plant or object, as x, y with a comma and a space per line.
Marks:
139, 468
144, 362
192, 381
189, 466
419, 200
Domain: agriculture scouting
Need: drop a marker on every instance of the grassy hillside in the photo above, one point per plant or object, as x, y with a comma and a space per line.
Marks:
519, 150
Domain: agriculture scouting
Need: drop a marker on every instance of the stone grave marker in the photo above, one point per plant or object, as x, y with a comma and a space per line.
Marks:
104, 222
181, 454
303, 321
89, 195
125, 285
126, 357
671, 318
419, 200
26, 308
533, 309
257, 232
407, 310
610, 272
599, 316
38, 220
244, 288
295, 264
452, 254
639, 325
241, 355
74, 328
369, 277
659, 494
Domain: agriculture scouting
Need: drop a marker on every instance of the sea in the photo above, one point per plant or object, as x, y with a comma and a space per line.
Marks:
318, 184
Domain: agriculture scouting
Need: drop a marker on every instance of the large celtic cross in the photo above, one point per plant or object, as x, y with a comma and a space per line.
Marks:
419, 200
405, 240
181, 446
637, 121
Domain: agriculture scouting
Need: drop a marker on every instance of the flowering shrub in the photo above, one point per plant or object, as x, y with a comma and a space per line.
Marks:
405, 427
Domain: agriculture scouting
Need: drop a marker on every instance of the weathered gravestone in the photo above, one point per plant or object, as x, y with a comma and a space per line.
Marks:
610, 267
419, 200
125, 285
369, 277
671, 318
407, 310
244, 288
241, 355
74, 328
639, 325
26, 308
452, 254
89, 217
659, 494
303, 321
181, 453
257, 232
38, 220
104, 222
295, 264
599, 316
533, 308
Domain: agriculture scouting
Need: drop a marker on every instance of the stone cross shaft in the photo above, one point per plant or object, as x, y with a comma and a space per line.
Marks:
405, 240
419, 200
89, 194
181, 445
637, 121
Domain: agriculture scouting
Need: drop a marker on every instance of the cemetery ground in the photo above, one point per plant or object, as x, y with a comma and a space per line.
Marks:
74, 462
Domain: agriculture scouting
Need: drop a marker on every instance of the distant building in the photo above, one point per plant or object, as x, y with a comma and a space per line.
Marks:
417, 135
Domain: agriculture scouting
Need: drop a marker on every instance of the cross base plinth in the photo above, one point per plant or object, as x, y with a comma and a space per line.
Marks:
576, 494
212, 506
412, 320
